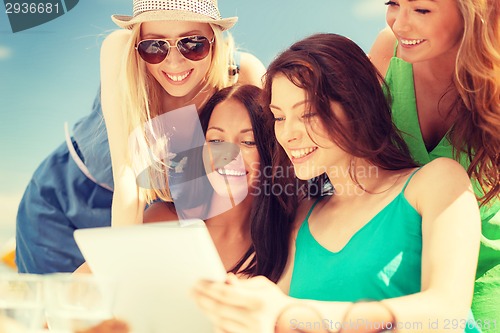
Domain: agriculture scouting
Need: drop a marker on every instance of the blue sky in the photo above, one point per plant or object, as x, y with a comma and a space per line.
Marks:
50, 74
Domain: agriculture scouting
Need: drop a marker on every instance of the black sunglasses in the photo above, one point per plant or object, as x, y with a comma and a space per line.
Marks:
193, 48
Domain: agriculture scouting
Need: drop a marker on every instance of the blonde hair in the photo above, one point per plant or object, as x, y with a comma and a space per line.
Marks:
477, 73
141, 98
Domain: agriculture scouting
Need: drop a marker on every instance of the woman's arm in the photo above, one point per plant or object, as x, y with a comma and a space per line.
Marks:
441, 192
127, 205
382, 50
451, 230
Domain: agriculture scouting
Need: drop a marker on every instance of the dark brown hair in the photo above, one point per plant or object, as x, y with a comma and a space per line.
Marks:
267, 211
330, 68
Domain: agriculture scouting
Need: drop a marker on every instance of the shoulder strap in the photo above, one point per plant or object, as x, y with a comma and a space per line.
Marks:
312, 207
395, 49
409, 178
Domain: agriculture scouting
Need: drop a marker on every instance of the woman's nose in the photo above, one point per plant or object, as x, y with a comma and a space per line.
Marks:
224, 153
291, 130
401, 22
174, 55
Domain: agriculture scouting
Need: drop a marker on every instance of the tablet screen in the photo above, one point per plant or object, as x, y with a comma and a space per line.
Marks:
155, 266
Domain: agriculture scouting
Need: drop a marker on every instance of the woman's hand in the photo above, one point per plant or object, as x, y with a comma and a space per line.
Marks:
241, 306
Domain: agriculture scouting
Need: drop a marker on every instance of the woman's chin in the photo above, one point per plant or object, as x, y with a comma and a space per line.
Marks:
235, 192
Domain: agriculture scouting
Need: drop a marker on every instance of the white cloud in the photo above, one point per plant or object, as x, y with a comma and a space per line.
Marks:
368, 9
5, 52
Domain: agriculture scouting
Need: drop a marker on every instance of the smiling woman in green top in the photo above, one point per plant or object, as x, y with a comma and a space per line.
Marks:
406, 238
441, 60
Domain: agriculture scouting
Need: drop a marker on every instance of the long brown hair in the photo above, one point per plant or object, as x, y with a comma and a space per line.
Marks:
330, 68
477, 80
267, 211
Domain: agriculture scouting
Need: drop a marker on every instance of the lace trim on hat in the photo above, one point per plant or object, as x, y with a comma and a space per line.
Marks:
202, 7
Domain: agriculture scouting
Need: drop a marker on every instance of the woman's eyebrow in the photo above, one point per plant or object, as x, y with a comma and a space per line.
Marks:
215, 128
293, 106
184, 34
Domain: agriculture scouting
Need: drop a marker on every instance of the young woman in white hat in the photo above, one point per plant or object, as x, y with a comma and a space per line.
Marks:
170, 54
73, 187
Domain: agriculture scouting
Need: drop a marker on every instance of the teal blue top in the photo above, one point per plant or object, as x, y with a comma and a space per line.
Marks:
381, 260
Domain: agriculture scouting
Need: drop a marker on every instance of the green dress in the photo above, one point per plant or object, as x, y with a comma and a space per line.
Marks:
486, 302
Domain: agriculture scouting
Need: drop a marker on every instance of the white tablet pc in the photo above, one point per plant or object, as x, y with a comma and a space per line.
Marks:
155, 266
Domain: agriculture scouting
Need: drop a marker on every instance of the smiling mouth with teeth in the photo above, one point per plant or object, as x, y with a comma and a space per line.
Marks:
230, 172
299, 153
411, 41
177, 77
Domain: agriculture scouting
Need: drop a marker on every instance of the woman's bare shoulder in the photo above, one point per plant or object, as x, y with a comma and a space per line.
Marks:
251, 70
120, 37
442, 171
113, 48
382, 50
438, 183
112, 51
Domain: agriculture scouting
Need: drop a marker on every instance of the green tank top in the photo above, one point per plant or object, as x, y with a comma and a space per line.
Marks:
381, 260
399, 78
